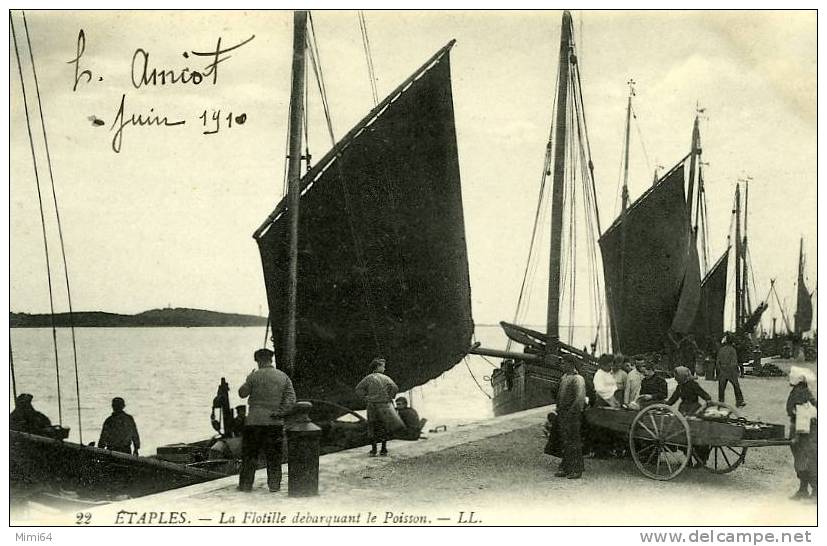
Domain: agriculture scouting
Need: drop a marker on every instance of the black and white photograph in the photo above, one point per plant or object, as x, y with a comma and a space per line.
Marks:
417, 268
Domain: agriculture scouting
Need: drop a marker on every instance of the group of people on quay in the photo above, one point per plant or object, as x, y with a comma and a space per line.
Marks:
271, 399
633, 383
620, 382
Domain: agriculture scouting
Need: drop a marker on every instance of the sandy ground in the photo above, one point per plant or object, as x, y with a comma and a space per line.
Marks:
504, 478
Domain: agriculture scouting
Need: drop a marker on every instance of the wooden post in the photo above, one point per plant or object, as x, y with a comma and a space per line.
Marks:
558, 182
293, 181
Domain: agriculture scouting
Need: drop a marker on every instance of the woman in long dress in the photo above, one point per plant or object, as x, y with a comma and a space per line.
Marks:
804, 444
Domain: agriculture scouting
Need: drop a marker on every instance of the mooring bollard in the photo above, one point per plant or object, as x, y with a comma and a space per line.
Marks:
303, 453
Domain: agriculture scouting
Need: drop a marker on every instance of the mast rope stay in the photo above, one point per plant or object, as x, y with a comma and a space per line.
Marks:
316, 62
368, 56
42, 216
59, 225
531, 260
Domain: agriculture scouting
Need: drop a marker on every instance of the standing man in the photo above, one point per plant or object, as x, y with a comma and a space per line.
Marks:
378, 391
271, 397
728, 371
571, 399
119, 430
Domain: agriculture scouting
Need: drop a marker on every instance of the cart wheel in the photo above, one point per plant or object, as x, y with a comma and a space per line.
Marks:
724, 459
660, 442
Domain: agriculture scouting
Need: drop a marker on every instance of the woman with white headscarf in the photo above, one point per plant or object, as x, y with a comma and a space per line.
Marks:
804, 444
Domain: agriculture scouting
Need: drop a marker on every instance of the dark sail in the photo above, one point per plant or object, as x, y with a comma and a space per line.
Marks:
383, 268
645, 271
709, 321
803, 307
690, 297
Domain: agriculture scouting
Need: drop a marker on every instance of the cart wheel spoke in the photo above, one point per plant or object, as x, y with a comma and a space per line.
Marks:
654, 425
734, 452
660, 442
652, 435
666, 460
723, 454
725, 463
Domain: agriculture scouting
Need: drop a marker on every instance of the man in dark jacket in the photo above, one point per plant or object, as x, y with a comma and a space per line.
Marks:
119, 430
728, 371
24, 418
409, 416
653, 388
571, 400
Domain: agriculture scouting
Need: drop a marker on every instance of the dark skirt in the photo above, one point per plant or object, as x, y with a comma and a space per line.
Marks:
805, 451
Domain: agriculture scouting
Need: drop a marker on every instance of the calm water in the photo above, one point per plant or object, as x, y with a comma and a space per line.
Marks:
169, 376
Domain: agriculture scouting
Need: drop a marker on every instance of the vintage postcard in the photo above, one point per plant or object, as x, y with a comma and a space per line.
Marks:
418, 268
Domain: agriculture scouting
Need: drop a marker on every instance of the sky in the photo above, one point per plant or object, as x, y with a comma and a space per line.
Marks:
168, 219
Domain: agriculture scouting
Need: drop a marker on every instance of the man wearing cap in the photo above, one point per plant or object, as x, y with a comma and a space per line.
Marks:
271, 397
378, 390
24, 418
571, 399
119, 430
728, 371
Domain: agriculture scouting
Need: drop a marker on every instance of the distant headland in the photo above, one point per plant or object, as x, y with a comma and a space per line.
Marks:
169, 317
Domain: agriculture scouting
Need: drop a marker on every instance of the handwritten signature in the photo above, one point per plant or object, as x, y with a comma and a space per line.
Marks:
144, 75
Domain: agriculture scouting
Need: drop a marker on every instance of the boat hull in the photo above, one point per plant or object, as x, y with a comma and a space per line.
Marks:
40, 463
530, 386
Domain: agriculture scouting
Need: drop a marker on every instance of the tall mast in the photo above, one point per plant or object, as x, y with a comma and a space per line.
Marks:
625, 193
693, 159
560, 129
624, 199
747, 305
799, 285
293, 181
739, 310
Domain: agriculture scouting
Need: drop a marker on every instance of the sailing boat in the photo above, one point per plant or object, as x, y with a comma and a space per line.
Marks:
530, 378
650, 268
366, 255
804, 306
803, 312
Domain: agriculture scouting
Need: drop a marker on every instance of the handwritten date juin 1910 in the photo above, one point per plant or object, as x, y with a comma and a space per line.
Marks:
211, 121
143, 75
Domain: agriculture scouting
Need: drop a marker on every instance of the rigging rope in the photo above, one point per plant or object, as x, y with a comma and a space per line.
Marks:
59, 228
592, 215
530, 267
358, 245
465, 360
368, 56
642, 143
42, 217
316, 61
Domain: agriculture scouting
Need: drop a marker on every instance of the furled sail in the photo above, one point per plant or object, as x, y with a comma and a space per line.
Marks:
709, 320
647, 270
804, 307
382, 267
